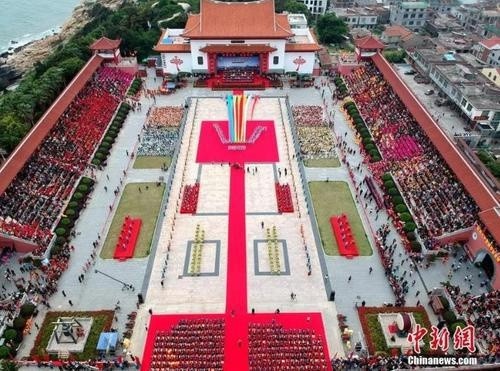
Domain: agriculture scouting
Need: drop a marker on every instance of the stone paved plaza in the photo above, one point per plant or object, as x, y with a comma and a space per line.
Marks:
181, 293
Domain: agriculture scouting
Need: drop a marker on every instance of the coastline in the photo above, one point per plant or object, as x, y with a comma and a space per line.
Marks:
16, 64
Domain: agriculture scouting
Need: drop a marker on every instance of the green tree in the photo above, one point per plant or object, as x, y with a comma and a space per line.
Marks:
11, 132
331, 29
9, 366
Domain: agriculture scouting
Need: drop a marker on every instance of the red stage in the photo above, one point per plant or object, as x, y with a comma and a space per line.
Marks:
211, 149
343, 236
128, 238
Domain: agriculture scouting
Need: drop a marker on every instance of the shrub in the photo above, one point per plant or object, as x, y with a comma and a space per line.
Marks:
410, 235
70, 213
83, 188
73, 204
109, 139
389, 184
370, 147
373, 153
103, 150
367, 140
409, 227
65, 222
10, 334
55, 250
393, 191
19, 323
100, 156
455, 324
401, 208
405, 217
77, 196
398, 200
113, 134
87, 181
96, 162
444, 302
415, 246
27, 310
61, 232
449, 316
4, 352
60, 241
105, 145
376, 158
386, 177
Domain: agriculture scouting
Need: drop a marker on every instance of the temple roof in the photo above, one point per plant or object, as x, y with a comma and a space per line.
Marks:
224, 20
105, 44
369, 42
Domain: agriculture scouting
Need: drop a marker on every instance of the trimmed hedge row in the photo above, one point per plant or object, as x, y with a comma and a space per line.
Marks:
135, 87
362, 129
402, 209
13, 335
341, 87
104, 148
71, 213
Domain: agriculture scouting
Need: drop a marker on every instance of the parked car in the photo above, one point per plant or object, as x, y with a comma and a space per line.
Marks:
429, 92
410, 72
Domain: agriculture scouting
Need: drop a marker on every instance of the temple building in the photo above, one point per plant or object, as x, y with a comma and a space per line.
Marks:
238, 40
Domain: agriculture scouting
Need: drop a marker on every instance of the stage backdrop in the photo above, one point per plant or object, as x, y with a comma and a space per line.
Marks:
224, 63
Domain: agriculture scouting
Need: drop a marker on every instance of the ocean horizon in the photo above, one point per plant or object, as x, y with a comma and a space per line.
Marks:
23, 21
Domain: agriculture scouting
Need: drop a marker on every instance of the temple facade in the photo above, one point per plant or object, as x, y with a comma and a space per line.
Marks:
240, 37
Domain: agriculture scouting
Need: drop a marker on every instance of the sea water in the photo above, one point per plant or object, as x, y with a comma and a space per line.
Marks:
22, 21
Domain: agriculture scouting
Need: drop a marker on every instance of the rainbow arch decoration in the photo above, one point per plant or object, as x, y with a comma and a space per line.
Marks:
238, 107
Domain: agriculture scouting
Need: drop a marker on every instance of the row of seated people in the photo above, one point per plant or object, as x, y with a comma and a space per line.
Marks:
438, 201
284, 198
240, 75
33, 201
191, 344
272, 347
160, 117
189, 202
308, 115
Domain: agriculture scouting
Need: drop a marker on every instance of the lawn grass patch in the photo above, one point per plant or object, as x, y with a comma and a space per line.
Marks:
143, 204
322, 162
151, 162
334, 198
102, 322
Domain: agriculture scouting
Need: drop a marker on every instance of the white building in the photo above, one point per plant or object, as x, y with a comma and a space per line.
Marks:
238, 36
411, 15
315, 6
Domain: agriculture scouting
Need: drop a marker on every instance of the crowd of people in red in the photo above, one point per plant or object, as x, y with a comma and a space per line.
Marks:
190, 199
284, 198
483, 313
190, 345
437, 199
33, 201
272, 347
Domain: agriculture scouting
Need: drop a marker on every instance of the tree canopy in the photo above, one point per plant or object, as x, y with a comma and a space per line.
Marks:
331, 29
136, 23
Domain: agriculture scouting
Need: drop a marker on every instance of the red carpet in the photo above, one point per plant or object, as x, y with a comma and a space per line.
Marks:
236, 286
211, 149
128, 238
343, 235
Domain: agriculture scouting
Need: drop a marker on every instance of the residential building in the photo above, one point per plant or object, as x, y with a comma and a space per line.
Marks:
393, 35
488, 51
481, 18
411, 15
475, 97
316, 7
357, 17
492, 74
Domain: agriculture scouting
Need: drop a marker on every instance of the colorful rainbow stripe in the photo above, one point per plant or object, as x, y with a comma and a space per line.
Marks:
237, 109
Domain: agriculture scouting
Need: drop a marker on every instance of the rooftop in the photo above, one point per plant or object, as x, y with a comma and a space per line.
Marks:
458, 73
491, 43
414, 5
396, 30
105, 44
224, 20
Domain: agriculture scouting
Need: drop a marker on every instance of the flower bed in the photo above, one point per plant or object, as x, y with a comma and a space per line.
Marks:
368, 144
102, 322
372, 330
